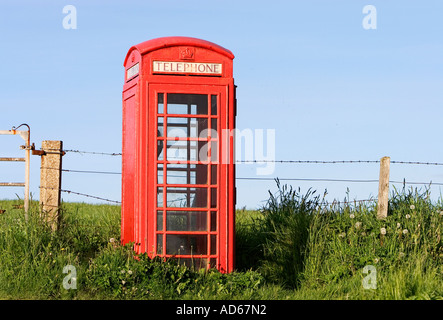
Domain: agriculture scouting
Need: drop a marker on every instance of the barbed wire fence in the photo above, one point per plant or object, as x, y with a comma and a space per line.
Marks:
404, 182
86, 171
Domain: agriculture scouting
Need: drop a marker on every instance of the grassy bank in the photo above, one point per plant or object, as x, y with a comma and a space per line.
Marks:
295, 247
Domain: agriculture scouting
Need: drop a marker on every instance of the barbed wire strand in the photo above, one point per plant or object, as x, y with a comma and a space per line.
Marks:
268, 179
82, 171
94, 152
338, 162
419, 163
338, 203
306, 179
81, 194
286, 161
308, 161
90, 196
337, 180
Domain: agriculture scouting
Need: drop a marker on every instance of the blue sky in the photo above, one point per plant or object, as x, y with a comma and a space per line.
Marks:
331, 89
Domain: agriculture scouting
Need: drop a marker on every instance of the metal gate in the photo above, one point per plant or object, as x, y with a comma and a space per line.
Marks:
25, 135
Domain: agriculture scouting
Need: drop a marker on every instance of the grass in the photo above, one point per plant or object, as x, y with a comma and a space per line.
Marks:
295, 247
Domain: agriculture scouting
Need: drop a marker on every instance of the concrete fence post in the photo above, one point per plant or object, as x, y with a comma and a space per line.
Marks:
50, 181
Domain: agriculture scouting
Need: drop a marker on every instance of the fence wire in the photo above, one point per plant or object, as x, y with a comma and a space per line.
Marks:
82, 194
308, 161
272, 179
337, 162
94, 152
404, 182
287, 161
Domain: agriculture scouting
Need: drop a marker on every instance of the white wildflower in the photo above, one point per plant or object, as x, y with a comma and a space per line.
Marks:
376, 260
122, 271
123, 282
398, 225
129, 271
352, 216
342, 235
357, 225
408, 216
383, 230
412, 207
112, 240
405, 231
441, 213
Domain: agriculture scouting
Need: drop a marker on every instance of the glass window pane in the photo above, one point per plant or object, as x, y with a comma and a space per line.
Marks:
180, 174
213, 198
159, 197
203, 151
187, 197
187, 127
160, 153
193, 263
213, 220
160, 121
159, 220
159, 173
186, 221
214, 174
213, 244
178, 127
214, 151
159, 244
179, 103
179, 108
213, 104
201, 174
214, 128
160, 106
179, 151
187, 174
186, 244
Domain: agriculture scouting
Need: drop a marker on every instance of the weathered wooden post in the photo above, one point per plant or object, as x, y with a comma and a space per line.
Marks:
50, 181
383, 188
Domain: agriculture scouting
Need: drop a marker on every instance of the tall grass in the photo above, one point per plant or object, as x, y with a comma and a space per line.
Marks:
285, 230
32, 257
296, 247
405, 248
320, 250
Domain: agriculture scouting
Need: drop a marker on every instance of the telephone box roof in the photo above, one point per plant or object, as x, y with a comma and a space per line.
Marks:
165, 42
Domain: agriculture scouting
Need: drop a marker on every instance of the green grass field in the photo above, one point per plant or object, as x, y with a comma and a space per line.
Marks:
295, 247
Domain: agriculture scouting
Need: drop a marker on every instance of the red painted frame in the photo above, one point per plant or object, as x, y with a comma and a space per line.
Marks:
139, 158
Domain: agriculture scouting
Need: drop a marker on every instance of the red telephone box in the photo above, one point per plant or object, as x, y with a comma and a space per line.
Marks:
178, 174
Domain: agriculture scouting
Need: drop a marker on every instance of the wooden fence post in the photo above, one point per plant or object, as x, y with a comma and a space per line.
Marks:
50, 181
383, 188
